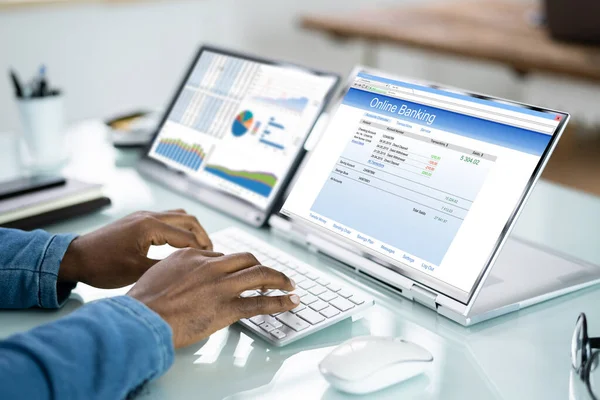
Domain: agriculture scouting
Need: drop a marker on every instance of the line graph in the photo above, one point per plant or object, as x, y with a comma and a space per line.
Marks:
293, 104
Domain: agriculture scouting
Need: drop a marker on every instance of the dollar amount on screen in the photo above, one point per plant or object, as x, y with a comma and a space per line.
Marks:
451, 199
470, 160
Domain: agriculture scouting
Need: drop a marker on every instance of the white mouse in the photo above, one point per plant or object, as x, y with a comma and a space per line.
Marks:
369, 363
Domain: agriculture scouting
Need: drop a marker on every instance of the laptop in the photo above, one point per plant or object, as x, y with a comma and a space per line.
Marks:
417, 186
235, 130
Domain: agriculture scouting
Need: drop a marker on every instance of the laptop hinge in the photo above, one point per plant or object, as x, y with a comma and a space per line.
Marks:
424, 296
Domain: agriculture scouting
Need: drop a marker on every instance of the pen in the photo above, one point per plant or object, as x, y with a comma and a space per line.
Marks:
43, 83
16, 84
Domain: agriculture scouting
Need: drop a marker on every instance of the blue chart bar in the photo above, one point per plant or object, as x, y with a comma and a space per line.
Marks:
181, 153
269, 143
275, 124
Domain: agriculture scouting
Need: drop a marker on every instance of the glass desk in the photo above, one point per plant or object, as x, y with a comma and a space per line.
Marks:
523, 355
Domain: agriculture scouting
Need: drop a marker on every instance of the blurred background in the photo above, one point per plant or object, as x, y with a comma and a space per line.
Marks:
115, 56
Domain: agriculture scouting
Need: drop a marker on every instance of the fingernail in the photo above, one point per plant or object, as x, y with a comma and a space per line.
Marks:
295, 299
293, 283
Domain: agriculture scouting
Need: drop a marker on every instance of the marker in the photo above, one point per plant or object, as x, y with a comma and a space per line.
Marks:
16, 84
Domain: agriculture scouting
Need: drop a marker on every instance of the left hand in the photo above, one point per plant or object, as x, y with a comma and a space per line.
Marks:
115, 255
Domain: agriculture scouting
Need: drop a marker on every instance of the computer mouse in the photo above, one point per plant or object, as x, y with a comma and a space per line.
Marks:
369, 363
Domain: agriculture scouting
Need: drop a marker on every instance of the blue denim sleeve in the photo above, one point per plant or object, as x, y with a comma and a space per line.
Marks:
105, 350
29, 263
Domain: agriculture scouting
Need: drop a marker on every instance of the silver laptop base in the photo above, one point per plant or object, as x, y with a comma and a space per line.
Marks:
211, 197
524, 274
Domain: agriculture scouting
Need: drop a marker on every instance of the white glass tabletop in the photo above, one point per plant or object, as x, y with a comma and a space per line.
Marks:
523, 355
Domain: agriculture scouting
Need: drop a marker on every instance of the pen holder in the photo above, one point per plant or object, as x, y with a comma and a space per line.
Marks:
43, 132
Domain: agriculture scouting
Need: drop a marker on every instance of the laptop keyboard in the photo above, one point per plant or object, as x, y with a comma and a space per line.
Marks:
324, 300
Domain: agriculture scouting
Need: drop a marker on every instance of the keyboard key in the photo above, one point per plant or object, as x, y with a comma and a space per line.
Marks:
302, 270
292, 321
308, 299
266, 327
257, 320
311, 316
317, 290
345, 293
275, 314
278, 334
278, 267
356, 300
300, 292
334, 287
269, 252
299, 308
330, 312
328, 296
273, 322
281, 258
290, 273
307, 284
300, 278
291, 265
323, 281
341, 304
249, 293
263, 258
313, 276
319, 305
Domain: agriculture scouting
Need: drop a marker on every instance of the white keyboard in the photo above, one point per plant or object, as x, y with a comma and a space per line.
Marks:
324, 300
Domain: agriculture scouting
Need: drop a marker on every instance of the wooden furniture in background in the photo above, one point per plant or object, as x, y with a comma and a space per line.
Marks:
488, 30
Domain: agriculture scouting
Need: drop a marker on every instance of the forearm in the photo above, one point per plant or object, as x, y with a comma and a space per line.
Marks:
29, 265
106, 349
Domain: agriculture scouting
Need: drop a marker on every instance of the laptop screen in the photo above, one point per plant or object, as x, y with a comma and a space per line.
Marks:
428, 179
239, 124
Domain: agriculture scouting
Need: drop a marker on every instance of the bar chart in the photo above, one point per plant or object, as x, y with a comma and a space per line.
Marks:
180, 152
273, 134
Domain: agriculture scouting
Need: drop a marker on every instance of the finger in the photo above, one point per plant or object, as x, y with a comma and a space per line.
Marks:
188, 252
260, 277
263, 305
236, 262
160, 233
177, 210
198, 252
182, 220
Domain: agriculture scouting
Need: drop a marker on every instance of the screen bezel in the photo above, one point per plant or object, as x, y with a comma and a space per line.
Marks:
421, 278
285, 179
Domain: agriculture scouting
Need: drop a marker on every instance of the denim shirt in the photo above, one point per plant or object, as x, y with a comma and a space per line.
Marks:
105, 350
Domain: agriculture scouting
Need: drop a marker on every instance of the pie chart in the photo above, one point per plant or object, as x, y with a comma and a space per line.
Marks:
243, 122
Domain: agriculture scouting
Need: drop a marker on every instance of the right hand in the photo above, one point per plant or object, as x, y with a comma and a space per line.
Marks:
197, 292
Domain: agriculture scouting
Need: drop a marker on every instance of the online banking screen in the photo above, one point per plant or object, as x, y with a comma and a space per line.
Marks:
428, 178
238, 125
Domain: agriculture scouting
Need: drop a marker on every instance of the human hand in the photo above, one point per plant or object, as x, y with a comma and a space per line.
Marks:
115, 255
197, 292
